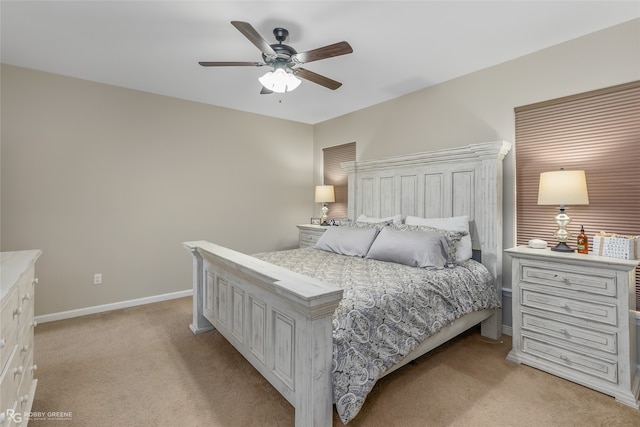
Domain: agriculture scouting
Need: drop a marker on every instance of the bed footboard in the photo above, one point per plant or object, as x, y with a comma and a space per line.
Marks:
280, 321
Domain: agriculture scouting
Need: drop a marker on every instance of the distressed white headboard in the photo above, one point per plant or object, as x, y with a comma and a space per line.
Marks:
451, 182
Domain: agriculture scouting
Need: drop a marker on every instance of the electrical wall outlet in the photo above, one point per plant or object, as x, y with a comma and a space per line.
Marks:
97, 278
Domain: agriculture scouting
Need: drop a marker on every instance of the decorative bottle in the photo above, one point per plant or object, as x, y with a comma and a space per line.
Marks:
583, 242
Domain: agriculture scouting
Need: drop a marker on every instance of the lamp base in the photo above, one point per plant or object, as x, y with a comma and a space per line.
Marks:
325, 209
562, 247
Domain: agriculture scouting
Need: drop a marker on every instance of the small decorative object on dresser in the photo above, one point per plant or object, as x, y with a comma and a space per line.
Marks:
616, 245
17, 385
573, 317
315, 221
583, 242
309, 234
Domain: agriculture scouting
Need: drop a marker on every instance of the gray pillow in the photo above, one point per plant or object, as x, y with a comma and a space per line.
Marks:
414, 248
452, 238
347, 240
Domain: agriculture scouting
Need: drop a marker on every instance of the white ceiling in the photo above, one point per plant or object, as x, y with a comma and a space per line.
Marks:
399, 46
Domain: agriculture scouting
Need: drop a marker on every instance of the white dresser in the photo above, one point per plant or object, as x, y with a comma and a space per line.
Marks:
17, 385
572, 317
309, 234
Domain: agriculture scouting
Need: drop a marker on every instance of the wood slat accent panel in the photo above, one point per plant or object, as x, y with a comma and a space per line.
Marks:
387, 197
433, 196
284, 329
367, 197
598, 132
463, 184
257, 331
409, 196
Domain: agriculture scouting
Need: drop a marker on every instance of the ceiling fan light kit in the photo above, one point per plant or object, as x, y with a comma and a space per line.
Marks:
279, 81
285, 61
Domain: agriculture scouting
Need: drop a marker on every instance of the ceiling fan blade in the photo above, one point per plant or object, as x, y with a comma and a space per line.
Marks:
317, 78
336, 49
265, 91
230, 64
254, 37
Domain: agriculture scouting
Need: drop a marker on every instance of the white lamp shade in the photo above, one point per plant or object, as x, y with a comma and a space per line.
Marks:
325, 194
563, 188
279, 81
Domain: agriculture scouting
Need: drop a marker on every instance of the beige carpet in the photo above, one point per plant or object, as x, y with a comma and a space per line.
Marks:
142, 366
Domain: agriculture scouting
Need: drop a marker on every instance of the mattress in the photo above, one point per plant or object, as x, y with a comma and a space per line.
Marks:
387, 310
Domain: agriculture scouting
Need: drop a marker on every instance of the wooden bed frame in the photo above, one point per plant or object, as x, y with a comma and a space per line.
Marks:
281, 321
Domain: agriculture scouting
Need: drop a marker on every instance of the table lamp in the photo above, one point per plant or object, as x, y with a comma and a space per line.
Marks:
563, 188
324, 195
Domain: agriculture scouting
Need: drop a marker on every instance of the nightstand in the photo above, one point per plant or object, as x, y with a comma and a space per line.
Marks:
309, 234
573, 317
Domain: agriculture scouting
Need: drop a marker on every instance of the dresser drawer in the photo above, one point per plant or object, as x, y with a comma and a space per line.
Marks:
26, 289
596, 367
594, 339
567, 280
26, 281
309, 238
10, 379
25, 348
25, 318
8, 325
24, 395
599, 312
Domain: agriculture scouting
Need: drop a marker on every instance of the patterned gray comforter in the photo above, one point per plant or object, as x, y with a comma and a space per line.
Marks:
386, 311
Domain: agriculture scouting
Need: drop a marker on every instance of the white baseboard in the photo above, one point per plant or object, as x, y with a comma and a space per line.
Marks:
113, 306
507, 330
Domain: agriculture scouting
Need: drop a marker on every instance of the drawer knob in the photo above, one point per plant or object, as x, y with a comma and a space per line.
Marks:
24, 399
17, 312
18, 371
35, 281
563, 357
34, 368
563, 331
26, 297
34, 324
24, 349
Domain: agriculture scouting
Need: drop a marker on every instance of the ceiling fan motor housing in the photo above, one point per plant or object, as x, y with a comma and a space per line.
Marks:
284, 52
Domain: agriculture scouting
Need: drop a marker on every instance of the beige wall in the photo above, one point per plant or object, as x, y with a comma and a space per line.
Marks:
479, 107
110, 180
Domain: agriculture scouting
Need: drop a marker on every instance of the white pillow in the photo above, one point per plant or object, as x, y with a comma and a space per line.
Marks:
414, 248
396, 219
454, 223
347, 240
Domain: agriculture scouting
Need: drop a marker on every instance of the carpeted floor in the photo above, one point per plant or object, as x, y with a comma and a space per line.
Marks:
142, 366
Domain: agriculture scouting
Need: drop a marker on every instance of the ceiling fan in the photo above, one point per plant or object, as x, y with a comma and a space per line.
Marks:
284, 60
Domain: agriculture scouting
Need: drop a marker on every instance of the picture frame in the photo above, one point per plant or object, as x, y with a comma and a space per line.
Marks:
316, 221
